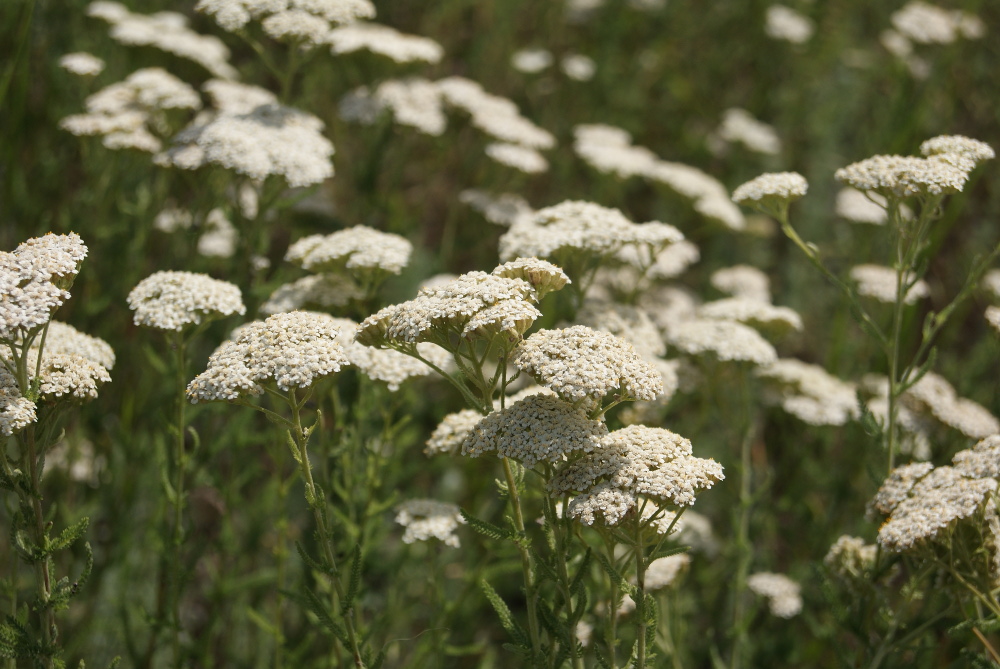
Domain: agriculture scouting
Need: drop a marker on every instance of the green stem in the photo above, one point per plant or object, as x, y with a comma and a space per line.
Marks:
43, 578
180, 467
526, 567
744, 554
640, 599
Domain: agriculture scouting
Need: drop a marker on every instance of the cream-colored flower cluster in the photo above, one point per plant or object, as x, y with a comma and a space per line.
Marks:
294, 350
633, 463
610, 149
784, 597
474, 304
82, 64
303, 22
429, 519
770, 188
167, 31
175, 300
879, 283
924, 23
945, 169
385, 41
359, 248
786, 24
850, 557
740, 126
921, 501
391, 367
504, 209
124, 113
809, 393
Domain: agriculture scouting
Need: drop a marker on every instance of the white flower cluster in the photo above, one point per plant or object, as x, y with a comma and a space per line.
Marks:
850, 557
538, 428
573, 227
16, 412
175, 300
743, 281
34, 279
755, 313
725, 340
123, 113
922, 500
945, 168
494, 115
784, 23
359, 248
522, 158
476, 302
662, 572
866, 207
933, 395
771, 187
167, 31
583, 365
925, 23
318, 291
259, 141
610, 149
304, 22
531, 61
739, 125
385, 41
293, 349
784, 598
82, 64
504, 209
62, 338
453, 429
879, 283
808, 392
632, 463
429, 519
389, 366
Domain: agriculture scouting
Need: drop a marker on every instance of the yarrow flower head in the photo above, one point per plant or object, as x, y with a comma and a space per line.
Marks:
772, 191
632, 463
452, 431
389, 366
784, 598
384, 41
808, 392
304, 21
361, 249
294, 350
175, 300
727, 341
583, 365
538, 428
82, 64
429, 519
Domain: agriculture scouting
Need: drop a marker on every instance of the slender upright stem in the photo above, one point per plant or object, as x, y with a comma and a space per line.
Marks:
744, 553
43, 578
180, 467
529, 581
640, 597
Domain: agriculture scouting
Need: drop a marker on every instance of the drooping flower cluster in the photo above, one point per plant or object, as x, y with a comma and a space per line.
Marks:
294, 350
633, 463
124, 113
175, 300
167, 31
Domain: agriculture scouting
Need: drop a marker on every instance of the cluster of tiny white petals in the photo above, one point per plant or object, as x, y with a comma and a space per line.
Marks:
743, 281
663, 571
293, 349
389, 366
635, 461
739, 125
384, 41
879, 283
356, 248
270, 139
809, 393
494, 115
981, 461
16, 411
219, 236
68, 375
453, 429
725, 340
66, 339
784, 23
314, 17
584, 365
167, 31
319, 291
784, 598
174, 300
925, 23
414, 102
82, 64
933, 394
123, 112
966, 147
905, 176
429, 519
757, 314
772, 186
504, 209
610, 149
578, 67
666, 263
232, 97
935, 500
631, 323
542, 275
860, 207
33, 281
531, 61
523, 158
850, 556
538, 428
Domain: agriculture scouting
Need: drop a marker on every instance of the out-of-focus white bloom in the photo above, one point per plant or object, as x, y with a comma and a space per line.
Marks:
172, 219
504, 209
385, 41
531, 61
784, 598
738, 125
82, 64
784, 23
519, 157
359, 248
743, 281
771, 187
413, 102
429, 519
925, 23
578, 67
387, 365
725, 340
879, 283
314, 17
662, 572
808, 392
175, 300
219, 238
494, 115
167, 31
